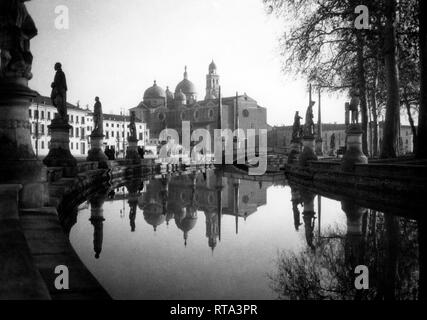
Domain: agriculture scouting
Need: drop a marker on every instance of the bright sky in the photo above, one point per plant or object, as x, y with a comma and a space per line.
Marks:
115, 49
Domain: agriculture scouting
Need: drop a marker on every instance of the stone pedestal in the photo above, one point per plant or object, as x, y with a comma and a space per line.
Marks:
96, 152
18, 163
307, 151
319, 147
132, 150
295, 151
59, 150
354, 154
354, 238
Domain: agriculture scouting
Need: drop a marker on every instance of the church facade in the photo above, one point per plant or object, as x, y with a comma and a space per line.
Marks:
163, 109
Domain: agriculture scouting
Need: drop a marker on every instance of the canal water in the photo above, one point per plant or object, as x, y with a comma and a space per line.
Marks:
212, 236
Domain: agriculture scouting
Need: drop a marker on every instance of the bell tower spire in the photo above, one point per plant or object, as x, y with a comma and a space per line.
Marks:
212, 82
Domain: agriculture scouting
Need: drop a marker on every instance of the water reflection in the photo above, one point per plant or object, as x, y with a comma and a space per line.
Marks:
318, 251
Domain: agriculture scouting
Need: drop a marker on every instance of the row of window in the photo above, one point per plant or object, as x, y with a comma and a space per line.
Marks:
40, 114
78, 119
111, 134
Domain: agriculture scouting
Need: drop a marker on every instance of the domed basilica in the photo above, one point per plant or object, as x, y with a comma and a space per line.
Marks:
162, 109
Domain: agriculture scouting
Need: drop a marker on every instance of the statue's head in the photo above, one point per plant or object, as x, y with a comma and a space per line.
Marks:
97, 99
58, 66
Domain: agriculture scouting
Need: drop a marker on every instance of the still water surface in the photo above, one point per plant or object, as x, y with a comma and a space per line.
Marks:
207, 236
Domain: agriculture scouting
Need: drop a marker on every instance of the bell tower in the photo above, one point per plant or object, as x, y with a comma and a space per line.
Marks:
212, 82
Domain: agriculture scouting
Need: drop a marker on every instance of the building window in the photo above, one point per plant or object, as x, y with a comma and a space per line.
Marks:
42, 130
42, 114
77, 146
36, 114
106, 124
246, 113
112, 134
72, 132
77, 132
106, 135
140, 136
83, 120
42, 144
72, 118
48, 116
30, 113
72, 146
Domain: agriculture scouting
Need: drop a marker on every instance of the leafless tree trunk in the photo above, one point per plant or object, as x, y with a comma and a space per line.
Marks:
390, 141
421, 147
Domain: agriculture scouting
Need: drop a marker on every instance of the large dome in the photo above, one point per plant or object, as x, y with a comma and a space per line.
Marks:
186, 86
154, 92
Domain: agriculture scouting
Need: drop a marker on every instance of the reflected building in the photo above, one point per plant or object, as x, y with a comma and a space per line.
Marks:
182, 197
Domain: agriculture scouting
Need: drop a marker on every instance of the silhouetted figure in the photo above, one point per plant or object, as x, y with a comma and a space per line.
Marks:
141, 152
132, 216
297, 220
309, 218
59, 92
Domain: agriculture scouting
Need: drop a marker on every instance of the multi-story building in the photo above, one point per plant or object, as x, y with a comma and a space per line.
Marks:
42, 112
116, 132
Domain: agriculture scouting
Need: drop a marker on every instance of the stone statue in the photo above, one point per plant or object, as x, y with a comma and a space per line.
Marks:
332, 143
296, 129
98, 119
354, 106
309, 123
132, 127
17, 28
59, 92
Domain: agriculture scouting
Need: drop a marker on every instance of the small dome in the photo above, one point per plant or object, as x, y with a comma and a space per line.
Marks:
212, 67
154, 92
180, 96
153, 215
186, 86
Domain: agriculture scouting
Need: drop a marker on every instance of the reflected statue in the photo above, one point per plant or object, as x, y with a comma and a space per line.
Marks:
296, 200
97, 220
309, 217
17, 28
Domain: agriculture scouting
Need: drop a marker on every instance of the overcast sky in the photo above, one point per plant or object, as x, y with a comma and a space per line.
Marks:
116, 49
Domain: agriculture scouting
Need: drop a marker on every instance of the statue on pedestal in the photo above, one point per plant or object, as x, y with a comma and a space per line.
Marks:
17, 28
354, 106
98, 119
332, 144
296, 129
59, 93
132, 127
309, 123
